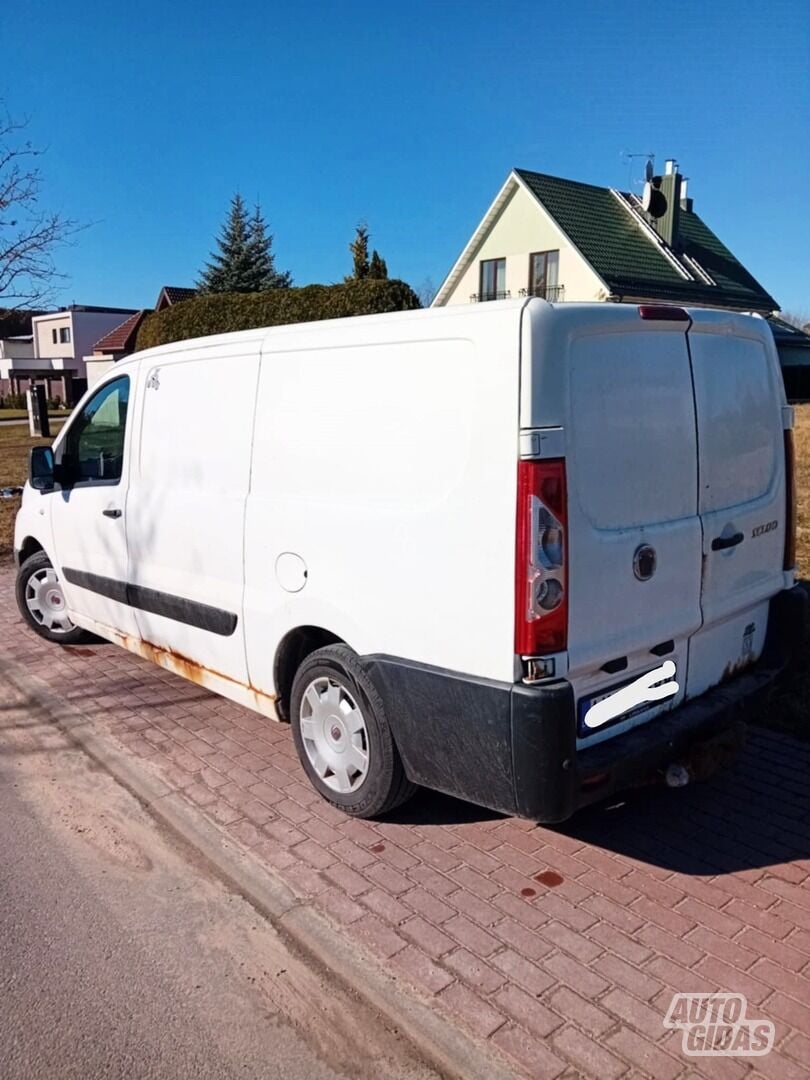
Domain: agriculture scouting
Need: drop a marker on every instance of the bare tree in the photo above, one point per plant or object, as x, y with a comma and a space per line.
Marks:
28, 234
426, 292
800, 319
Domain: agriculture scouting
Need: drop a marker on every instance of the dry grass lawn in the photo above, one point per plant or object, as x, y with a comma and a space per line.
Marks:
802, 436
790, 706
14, 445
22, 414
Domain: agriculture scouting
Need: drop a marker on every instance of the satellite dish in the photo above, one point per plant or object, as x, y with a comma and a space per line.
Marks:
648, 170
653, 200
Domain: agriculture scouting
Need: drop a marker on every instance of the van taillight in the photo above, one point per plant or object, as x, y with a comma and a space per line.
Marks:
541, 578
790, 501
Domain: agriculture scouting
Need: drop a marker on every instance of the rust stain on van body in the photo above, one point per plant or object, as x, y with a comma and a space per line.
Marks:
208, 678
736, 667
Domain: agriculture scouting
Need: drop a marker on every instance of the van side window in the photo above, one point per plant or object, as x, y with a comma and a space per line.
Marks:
94, 447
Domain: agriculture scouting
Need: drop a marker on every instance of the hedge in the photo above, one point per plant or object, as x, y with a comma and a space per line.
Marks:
218, 313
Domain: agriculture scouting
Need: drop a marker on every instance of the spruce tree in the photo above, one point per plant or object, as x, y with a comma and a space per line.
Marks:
260, 243
229, 268
244, 262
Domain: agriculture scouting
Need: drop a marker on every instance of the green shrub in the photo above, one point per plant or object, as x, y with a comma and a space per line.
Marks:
13, 401
219, 313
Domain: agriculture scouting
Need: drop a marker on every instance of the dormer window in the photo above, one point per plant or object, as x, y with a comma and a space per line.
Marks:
544, 267
493, 279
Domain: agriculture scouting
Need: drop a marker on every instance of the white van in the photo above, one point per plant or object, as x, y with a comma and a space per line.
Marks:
525, 554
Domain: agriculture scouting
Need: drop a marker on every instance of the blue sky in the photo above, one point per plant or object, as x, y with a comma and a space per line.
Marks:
408, 116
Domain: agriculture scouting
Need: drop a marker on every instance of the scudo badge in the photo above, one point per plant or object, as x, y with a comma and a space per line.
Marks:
766, 527
644, 562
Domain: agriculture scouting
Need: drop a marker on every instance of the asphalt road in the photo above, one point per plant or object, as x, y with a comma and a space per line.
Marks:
119, 957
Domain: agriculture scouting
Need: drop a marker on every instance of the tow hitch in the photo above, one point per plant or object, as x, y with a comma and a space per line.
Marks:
705, 758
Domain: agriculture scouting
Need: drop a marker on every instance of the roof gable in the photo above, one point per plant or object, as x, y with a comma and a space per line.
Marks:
473, 244
502, 205
173, 294
610, 232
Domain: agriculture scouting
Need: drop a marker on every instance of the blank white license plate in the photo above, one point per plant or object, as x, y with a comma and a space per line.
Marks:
584, 705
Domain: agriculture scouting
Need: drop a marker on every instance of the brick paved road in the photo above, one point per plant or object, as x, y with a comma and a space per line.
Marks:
697, 890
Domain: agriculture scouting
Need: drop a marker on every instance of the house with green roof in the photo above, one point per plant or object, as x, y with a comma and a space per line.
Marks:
566, 241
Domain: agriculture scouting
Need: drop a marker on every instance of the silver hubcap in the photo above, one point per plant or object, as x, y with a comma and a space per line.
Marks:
334, 735
46, 601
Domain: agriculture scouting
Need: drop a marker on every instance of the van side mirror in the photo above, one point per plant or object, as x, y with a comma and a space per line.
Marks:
41, 468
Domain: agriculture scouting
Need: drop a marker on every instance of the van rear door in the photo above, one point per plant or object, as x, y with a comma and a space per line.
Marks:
634, 533
741, 484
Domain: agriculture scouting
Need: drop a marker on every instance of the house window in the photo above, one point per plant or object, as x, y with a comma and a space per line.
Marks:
544, 274
54, 336
64, 335
493, 279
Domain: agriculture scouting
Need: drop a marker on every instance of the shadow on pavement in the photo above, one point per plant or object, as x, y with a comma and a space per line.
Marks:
751, 815
433, 808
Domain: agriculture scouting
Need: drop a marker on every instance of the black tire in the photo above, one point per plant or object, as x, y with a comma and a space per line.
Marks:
32, 565
385, 784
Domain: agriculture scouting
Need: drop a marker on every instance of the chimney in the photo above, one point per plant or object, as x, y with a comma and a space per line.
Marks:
667, 224
686, 203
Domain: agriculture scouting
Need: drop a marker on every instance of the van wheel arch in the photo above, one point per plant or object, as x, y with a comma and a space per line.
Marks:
295, 647
30, 547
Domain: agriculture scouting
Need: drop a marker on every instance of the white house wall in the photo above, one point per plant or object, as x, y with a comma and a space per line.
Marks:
524, 227
43, 325
87, 327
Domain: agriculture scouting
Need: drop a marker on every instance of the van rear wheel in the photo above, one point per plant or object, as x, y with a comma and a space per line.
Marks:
42, 603
342, 735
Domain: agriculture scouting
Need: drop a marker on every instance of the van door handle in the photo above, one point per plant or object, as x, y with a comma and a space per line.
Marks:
111, 513
720, 543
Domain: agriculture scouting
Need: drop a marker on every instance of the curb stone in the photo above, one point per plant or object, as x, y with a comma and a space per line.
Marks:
440, 1042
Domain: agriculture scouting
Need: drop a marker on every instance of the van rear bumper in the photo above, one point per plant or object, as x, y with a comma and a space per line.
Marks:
512, 747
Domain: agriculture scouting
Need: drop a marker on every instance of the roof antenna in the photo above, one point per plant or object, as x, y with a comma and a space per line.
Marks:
629, 157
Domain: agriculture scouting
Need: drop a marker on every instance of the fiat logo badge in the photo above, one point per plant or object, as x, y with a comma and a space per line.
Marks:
644, 562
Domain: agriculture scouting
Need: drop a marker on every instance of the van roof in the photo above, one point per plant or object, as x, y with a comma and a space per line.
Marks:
244, 337
593, 312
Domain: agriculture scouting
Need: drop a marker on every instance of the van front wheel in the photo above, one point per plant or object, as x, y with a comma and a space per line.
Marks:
42, 602
342, 735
